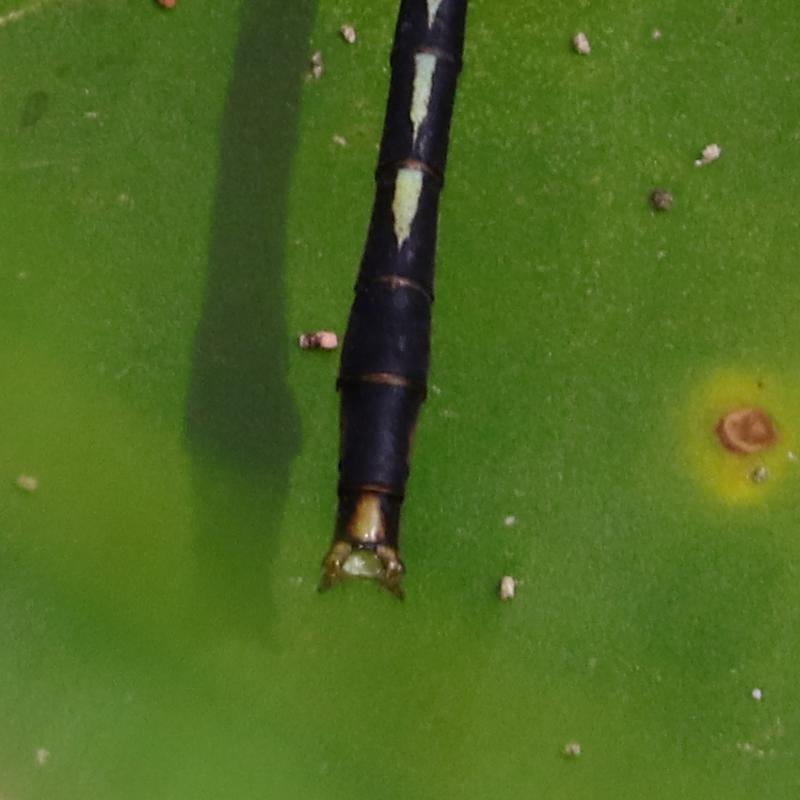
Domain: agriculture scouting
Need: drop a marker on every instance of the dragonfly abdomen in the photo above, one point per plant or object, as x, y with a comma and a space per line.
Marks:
386, 351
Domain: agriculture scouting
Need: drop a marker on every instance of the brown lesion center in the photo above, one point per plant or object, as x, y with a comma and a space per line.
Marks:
746, 430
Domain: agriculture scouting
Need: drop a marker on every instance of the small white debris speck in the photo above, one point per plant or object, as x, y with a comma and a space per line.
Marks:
756, 694
508, 587
27, 483
656, 34
791, 455
91, 114
509, 520
42, 756
759, 475
319, 340
571, 750
711, 152
340, 140
348, 33
317, 67
581, 44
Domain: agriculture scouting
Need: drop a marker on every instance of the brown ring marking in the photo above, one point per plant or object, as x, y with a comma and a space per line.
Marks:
371, 488
384, 379
398, 281
388, 167
437, 52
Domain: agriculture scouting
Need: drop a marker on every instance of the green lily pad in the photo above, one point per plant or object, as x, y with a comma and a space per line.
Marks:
182, 199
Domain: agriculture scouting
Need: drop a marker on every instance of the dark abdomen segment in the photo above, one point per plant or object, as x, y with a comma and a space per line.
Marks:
386, 350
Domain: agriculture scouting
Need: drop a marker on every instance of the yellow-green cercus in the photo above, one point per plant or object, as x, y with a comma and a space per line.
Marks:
365, 527
743, 435
407, 192
363, 552
433, 10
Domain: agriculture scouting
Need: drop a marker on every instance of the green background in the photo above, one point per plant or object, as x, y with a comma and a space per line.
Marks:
174, 211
